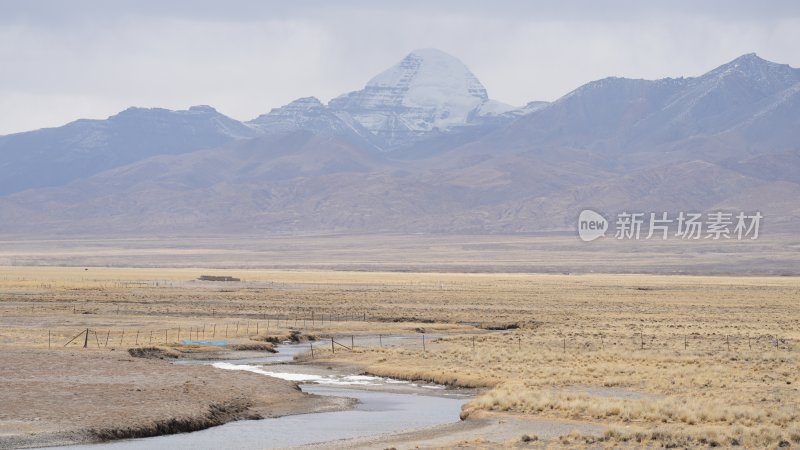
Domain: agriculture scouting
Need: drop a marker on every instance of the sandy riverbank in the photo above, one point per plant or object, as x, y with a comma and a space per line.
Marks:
68, 397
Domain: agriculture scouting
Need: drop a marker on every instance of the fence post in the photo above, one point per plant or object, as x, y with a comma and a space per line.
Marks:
473, 343
333, 349
352, 342
312, 349
137, 337
86, 339
48, 339
380, 340
423, 342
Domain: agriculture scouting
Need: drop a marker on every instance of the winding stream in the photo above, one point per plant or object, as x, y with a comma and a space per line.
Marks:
377, 411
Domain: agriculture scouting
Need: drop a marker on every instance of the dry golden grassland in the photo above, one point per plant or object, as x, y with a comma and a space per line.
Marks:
664, 360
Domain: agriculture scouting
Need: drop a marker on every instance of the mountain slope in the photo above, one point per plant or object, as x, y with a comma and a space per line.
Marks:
54, 156
623, 123
309, 114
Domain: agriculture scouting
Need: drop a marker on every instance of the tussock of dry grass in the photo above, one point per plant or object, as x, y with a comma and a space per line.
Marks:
254, 346
687, 411
765, 436
153, 352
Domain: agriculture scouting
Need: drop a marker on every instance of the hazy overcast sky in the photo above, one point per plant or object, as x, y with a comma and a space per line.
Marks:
61, 60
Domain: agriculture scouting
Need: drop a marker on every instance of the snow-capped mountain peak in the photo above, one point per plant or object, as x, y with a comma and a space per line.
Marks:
428, 91
429, 76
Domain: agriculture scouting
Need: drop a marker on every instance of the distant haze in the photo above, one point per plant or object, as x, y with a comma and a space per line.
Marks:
65, 60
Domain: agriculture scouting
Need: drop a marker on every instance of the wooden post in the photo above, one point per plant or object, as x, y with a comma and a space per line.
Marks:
519, 342
123, 337
423, 342
214, 331
310, 345
86, 339
352, 342
256, 328
73, 338
333, 349
108, 335
137, 337
48, 339
473, 343
380, 340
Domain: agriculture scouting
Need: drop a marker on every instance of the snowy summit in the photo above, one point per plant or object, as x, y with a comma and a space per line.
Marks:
427, 91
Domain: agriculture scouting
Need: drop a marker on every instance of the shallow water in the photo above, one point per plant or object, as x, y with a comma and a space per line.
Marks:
376, 413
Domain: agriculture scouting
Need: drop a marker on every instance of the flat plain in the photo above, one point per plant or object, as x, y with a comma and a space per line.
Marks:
690, 361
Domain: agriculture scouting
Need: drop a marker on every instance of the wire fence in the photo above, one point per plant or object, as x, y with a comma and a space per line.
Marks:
222, 333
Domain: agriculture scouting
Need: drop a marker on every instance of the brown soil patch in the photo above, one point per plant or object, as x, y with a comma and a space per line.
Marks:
65, 397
